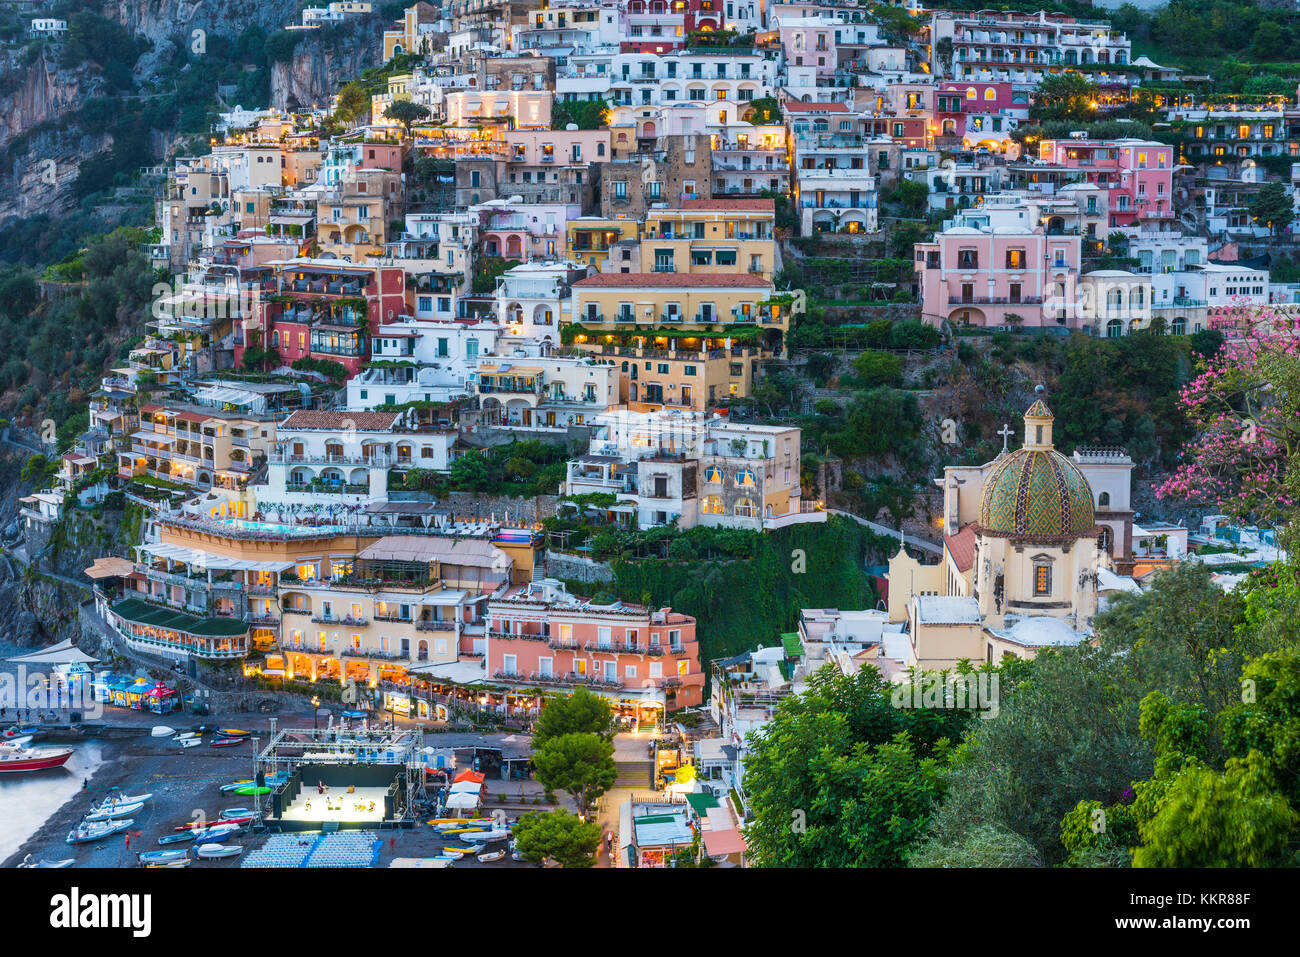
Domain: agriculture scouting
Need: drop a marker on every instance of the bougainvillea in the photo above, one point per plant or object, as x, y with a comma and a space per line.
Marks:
1245, 407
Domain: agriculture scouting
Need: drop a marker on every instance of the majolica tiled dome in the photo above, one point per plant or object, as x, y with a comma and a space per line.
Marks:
1035, 491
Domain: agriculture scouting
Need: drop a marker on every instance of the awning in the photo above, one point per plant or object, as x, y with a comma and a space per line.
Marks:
153, 437
64, 653
110, 567
720, 843
463, 800
468, 775
467, 787
200, 559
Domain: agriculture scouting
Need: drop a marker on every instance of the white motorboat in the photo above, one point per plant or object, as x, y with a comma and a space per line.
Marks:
155, 858
28, 862
490, 857
108, 812
210, 852
485, 837
121, 797
216, 834
236, 814
162, 731
88, 831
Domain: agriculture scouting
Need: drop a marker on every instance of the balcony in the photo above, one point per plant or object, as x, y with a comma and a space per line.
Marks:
335, 620
571, 679
435, 624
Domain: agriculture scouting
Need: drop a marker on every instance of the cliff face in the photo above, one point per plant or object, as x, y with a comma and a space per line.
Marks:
161, 19
41, 93
321, 64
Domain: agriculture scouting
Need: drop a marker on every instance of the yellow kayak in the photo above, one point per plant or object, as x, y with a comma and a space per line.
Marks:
457, 820
466, 830
460, 850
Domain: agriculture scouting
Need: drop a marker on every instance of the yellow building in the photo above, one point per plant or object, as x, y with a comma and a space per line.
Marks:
413, 32
680, 340
711, 237
591, 238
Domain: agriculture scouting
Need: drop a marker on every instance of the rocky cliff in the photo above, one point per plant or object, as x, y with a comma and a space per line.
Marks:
40, 92
324, 62
157, 20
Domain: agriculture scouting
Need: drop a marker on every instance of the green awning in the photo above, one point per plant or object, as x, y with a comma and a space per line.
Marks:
792, 645
701, 801
157, 616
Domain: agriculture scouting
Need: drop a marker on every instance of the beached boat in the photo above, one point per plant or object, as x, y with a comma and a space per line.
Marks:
216, 834
109, 811
21, 742
162, 731
190, 742
200, 825
185, 735
252, 790
486, 837
183, 862
489, 857
232, 733
460, 850
118, 796
163, 857
272, 780
236, 814
88, 831
177, 838
212, 852
227, 742
15, 759
28, 862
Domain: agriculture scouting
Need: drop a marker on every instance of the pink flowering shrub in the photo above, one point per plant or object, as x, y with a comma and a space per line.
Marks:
1245, 417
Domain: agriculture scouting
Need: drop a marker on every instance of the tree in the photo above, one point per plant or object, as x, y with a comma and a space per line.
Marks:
1272, 207
1064, 96
470, 471
841, 777
559, 835
407, 113
1245, 408
912, 196
585, 114
878, 368
579, 713
1270, 42
764, 111
353, 103
580, 763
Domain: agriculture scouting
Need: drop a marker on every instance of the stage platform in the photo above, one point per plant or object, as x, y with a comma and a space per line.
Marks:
363, 807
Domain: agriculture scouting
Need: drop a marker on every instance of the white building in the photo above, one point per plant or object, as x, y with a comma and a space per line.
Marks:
421, 360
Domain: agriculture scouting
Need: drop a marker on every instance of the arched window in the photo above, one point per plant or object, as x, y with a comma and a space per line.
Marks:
970, 93
1104, 540
990, 94
1114, 329
713, 505
1103, 500
1180, 326
745, 478
713, 475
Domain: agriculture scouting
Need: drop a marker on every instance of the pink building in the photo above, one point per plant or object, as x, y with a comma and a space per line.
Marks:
810, 41
998, 266
524, 231
646, 661
1139, 174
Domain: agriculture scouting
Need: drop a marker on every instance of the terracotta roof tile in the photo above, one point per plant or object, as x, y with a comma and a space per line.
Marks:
962, 547
749, 204
340, 421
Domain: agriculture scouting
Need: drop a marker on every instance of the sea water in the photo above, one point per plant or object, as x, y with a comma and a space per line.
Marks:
28, 799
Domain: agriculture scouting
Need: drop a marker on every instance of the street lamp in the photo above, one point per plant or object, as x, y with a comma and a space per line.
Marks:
315, 713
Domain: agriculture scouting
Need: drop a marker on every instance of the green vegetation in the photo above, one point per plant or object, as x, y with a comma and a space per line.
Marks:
753, 597
585, 114
580, 764
558, 835
519, 469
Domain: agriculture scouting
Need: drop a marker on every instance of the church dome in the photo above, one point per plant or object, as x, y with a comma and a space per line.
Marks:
1036, 492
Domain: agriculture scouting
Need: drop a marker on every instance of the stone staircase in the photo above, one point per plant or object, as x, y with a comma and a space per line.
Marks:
635, 774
